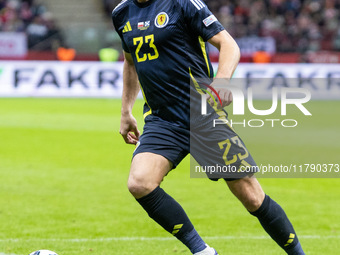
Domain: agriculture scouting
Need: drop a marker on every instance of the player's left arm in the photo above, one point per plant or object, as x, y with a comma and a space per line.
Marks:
228, 59
229, 54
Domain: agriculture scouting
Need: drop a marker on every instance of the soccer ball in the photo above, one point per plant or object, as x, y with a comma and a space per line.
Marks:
43, 252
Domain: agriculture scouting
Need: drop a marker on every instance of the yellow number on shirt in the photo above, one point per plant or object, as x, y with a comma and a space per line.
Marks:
150, 39
139, 41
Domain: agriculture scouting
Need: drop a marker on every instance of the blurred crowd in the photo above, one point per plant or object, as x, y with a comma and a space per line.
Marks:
32, 18
296, 25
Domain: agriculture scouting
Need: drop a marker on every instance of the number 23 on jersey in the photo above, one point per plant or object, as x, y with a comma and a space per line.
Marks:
139, 41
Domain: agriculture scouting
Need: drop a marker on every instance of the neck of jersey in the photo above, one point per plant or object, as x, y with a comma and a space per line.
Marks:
143, 3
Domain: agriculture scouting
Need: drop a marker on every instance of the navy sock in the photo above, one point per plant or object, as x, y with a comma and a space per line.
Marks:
276, 223
170, 215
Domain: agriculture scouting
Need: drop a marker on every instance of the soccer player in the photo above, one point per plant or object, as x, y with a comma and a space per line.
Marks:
164, 49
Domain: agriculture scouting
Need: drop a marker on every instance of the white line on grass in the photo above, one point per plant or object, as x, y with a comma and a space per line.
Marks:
142, 238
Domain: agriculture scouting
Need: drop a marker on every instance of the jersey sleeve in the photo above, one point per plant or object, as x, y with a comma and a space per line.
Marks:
119, 29
200, 19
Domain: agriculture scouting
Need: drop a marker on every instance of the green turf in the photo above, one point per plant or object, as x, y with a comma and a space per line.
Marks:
63, 172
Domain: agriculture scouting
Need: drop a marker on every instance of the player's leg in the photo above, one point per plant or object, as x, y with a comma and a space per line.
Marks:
249, 191
219, 145
146, 174
271, 216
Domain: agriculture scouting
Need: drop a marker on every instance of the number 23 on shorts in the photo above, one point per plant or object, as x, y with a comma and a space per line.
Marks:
227, 144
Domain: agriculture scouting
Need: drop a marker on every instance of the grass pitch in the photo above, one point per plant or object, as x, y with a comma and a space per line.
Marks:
63, 172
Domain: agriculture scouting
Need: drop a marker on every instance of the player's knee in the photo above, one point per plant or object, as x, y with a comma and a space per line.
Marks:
139, 187
249, 192
252, 203
136, 188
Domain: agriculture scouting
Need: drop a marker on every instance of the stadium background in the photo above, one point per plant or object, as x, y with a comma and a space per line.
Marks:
63, 165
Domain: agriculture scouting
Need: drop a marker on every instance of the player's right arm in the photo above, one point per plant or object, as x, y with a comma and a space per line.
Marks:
128, 124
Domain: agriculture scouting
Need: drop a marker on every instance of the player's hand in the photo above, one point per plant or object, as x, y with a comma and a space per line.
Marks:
128, 129
224, 93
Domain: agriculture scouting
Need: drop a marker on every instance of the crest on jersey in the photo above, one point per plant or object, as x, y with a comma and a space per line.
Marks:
161, 20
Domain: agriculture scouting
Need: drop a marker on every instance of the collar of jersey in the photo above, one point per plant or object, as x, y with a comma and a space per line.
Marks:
142, 5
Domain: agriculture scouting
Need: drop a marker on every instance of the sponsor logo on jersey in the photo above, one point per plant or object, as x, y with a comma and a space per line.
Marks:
143, 25
161, 20
127, 27
208, 21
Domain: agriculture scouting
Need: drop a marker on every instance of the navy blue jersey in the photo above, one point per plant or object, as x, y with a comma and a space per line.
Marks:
166, 39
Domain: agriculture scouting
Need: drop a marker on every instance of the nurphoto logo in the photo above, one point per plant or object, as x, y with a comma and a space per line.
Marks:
288, 96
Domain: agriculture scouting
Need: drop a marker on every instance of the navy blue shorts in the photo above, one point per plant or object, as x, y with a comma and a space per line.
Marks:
218, 150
